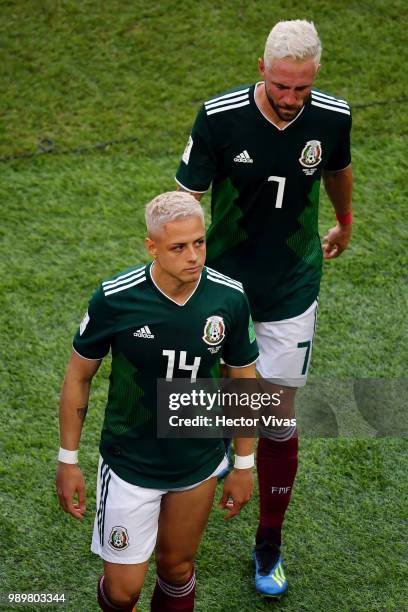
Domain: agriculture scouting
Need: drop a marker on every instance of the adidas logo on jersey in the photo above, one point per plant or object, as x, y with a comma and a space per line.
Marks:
143, 332
244, 158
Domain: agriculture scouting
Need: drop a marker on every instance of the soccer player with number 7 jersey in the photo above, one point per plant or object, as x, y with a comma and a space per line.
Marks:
264, 149
171, 318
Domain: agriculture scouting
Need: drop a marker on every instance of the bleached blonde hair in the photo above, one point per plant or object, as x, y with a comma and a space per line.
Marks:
296, 39
171, 206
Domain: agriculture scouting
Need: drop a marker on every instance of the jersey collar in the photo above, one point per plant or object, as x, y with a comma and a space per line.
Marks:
199, 282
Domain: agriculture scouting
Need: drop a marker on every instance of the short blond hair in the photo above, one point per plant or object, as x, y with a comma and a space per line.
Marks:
296, 39
171, 206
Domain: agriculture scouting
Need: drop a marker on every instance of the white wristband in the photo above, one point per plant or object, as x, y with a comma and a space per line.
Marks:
244, 462
67, 456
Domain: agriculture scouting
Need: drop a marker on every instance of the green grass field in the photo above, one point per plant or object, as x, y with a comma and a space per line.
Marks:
84, 73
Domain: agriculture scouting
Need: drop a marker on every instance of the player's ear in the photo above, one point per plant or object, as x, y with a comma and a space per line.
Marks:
150, 247
261, 66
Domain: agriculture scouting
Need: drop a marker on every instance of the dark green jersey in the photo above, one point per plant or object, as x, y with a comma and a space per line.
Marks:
265, 193
152, 337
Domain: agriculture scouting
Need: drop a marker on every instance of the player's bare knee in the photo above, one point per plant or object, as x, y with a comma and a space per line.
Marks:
283, 397
121, 593
175, 572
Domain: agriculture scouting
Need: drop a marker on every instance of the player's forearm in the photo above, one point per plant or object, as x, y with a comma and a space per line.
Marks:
244, 446
339, 188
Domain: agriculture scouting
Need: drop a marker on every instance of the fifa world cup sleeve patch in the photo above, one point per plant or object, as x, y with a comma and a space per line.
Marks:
84, 323
251, 330
187, 150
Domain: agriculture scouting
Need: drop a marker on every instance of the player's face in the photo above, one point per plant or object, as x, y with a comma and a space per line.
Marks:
288, 83
179, 249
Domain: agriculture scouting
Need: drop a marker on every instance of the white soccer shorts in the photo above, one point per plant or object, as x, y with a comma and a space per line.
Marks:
285, 348
126, 520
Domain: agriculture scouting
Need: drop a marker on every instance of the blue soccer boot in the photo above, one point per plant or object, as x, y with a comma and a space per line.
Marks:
270, 579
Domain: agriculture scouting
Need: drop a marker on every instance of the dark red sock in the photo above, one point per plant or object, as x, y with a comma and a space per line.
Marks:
276, 465
169, 597
106, 605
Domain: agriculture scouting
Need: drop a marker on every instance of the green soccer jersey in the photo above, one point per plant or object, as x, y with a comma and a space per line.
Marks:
152, 337
265, 193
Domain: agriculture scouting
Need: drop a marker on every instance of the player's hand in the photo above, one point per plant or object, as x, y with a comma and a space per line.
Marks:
70, 485
237, 492
336, 240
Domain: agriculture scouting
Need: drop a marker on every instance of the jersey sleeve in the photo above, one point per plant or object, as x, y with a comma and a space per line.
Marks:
198, 163
341, 155
93, 338
240, 348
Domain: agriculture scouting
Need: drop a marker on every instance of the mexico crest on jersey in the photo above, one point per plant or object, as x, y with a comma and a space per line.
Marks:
119, 538
214, 330
311, 155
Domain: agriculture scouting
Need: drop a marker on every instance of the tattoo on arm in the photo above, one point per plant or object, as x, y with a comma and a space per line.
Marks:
82, 412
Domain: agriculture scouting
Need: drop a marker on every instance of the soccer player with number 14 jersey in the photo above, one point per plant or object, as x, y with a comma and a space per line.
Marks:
171, 318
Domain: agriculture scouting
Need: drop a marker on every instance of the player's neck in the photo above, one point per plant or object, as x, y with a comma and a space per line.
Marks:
172, 287
266, 109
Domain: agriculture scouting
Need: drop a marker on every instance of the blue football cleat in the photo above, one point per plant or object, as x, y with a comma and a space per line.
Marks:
270, 579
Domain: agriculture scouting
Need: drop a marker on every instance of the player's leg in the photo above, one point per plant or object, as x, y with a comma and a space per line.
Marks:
285, 351
277, 459
124, 536
183, 518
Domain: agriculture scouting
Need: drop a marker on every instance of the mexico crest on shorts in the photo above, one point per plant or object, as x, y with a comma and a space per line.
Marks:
118, 538
311, 155
214, 330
